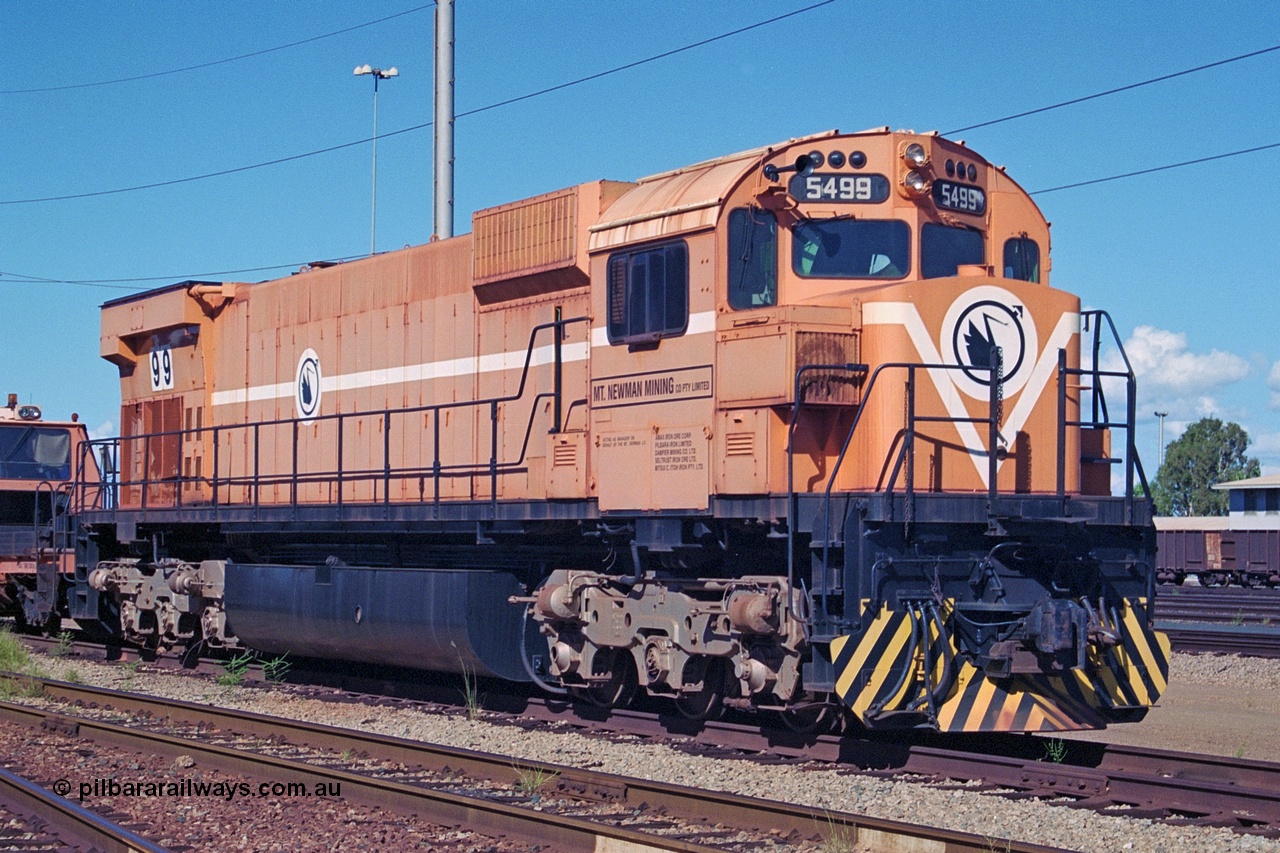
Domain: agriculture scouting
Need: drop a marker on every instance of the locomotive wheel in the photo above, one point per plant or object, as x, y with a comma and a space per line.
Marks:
708, 701
622, 685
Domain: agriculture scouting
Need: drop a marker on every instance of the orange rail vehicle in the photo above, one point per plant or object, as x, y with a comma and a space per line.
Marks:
36, 479
798, 429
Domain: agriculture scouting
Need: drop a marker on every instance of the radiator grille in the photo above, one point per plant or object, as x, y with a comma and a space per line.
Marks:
829, 386
522, 238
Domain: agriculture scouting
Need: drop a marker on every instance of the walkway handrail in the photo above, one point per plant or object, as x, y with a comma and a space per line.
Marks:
905, 453
1100, 415
256, 479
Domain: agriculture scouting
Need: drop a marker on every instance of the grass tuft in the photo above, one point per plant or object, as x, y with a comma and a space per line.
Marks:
66, 641
276, 669
15, 658
234, 670
838, 837
531, 780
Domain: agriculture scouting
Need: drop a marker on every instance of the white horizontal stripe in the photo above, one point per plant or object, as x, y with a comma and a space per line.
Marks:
260, 392
700, 323
409, 373
884, 313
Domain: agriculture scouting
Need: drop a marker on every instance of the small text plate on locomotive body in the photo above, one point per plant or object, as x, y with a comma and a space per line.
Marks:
959, 197
846, 188
659, 386
679, 450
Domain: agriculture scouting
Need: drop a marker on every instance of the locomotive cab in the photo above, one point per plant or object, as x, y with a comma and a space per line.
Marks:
39, 461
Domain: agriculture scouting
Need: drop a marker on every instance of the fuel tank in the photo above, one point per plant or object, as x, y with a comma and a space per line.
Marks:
433, 619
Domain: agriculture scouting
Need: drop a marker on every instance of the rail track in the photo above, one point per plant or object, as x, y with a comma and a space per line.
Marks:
1223, 639
1179, 788
576, 809
1232, 605
1228, 620
34, 819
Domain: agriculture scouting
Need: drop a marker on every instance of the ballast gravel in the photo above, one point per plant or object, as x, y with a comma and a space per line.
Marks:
1237, 680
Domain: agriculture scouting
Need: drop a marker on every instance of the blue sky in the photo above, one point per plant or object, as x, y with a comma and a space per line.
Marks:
1185, 260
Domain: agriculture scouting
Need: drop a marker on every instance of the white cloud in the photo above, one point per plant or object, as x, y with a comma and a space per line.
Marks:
1175, 380
106, 429
1161, 360
1171, 379
1266, 446
1273, 383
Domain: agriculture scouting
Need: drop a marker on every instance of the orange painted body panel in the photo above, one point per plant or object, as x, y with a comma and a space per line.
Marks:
900, 325
450, 323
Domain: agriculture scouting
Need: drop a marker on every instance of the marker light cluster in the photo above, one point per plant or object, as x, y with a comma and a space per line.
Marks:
959, 171
29, 413
837, 159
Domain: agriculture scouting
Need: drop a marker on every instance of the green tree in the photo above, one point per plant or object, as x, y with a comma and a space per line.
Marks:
1208, 452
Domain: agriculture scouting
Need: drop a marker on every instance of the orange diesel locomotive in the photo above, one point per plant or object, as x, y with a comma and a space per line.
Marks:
792, 429
36, 478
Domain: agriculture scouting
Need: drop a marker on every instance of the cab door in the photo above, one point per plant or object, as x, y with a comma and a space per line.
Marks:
652, 374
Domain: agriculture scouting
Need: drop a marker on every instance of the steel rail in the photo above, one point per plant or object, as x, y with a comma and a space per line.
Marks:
569, 834
434, 806
1144, 782
1218, 604
1247, 640
1095, 775
72, 824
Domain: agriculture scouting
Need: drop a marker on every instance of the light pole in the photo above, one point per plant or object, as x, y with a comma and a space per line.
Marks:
377, 74
1160, 455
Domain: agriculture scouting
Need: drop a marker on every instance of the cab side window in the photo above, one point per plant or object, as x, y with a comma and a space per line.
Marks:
753, 258
1022, 259
648, 293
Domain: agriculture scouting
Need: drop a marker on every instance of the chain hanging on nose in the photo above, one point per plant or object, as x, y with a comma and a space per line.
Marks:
997, 377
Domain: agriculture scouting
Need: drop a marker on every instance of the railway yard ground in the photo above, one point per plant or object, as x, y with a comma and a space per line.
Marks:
1216, 704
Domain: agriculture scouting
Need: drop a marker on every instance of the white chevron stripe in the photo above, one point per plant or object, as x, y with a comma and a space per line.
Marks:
906, 314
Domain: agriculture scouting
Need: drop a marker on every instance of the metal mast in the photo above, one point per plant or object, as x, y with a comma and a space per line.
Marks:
443, 225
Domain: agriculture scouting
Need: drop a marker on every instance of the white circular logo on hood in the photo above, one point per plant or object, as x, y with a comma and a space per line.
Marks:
306, 389
979, 321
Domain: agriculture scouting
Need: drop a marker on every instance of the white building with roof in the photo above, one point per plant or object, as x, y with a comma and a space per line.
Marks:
1254, 504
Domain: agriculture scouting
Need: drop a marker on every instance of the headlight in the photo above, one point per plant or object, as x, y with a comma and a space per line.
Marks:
29, 413
915, 155
915, 183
